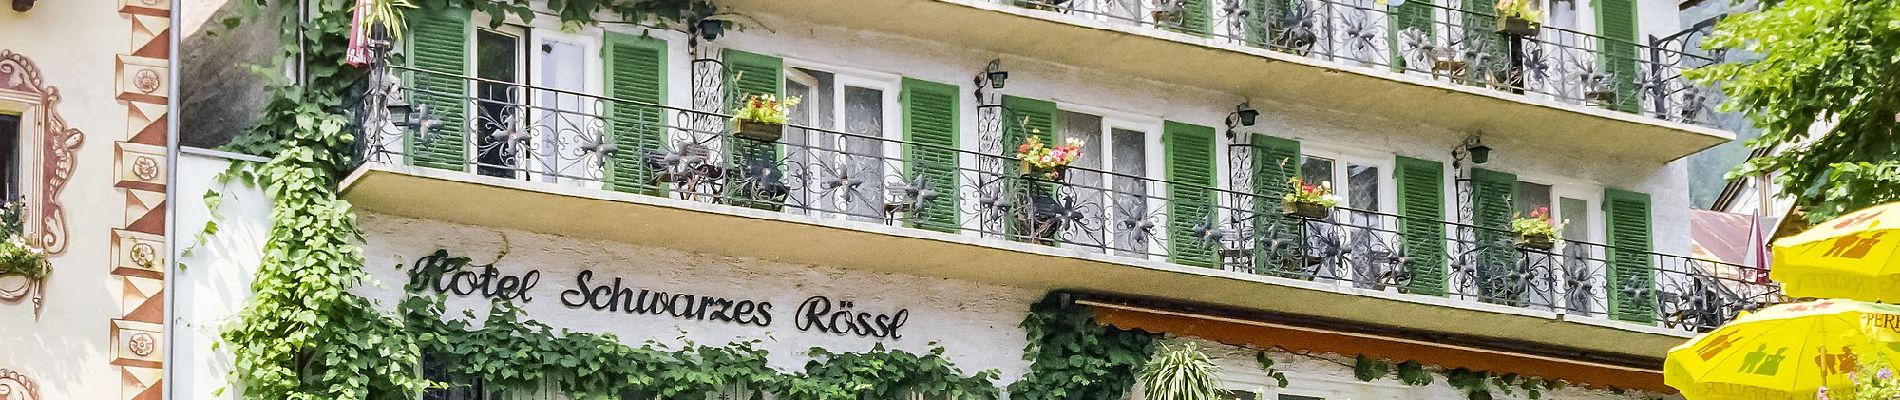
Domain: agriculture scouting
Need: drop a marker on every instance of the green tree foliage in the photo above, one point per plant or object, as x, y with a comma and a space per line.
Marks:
1830, 61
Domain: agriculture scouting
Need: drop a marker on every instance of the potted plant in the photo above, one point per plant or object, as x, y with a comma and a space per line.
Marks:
1309, 200
1180, 373
1598, 90
1518, 17
19, 254
763, 117
1167, 13
1047, 162
1535, 231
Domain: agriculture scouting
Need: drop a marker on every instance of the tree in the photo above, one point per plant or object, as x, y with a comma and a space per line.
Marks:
1824, 63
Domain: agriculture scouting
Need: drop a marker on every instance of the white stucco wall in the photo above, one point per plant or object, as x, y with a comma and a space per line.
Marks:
214, 281
976, 324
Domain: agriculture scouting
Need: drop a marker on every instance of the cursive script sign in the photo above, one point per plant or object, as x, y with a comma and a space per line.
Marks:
441, 273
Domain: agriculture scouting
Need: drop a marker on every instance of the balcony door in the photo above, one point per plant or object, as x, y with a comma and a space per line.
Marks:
840, 145
500, 70
534, 108
565, 71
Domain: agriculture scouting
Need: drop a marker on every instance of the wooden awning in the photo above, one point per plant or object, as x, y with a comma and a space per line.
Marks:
1295, 338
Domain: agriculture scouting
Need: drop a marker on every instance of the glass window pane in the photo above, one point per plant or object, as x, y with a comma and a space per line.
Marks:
1563, 14
497, 58
10, 158
864, 118
563, 117
1362, 191
1130, 164
811, 152
1530, 197
1089, 186
1581, 262
1316, 170
1575, 216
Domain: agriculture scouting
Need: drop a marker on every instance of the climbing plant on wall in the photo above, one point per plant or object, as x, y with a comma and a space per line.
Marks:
1073, 357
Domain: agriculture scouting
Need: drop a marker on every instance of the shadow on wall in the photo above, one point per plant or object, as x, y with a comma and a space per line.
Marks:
219, 91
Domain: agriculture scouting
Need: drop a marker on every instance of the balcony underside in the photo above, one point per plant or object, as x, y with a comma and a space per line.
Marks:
742, 232
1258, 73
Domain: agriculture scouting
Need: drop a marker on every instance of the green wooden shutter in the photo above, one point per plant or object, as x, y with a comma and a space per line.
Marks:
1492, 204
1415, 14
1421, 222
1616, 23
752, 74
1197, 17
1274, 161
635, 73
1632, 279
438, 43
1026, 117
1190, 169
930, 135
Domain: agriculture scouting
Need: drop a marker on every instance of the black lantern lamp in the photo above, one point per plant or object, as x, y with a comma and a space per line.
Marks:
1246, 113
1474, 145
996, 74
710, 29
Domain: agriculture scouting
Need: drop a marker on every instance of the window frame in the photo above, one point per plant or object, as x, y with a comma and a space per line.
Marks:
593, 68
1154, 164
1345, 156
891, 132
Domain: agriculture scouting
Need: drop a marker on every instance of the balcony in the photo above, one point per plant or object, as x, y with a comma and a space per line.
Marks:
837, 198
1439, 66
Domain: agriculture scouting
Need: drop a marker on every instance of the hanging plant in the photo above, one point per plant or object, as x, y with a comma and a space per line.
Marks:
1180, 373
20, 255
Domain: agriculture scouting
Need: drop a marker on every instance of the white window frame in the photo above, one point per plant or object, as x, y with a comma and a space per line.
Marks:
1342, 157
892, 130
544, 31
474, 143
1154, 164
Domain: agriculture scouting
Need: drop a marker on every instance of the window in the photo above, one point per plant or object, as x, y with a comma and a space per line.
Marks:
1316, 170
498, 63
847, 169
1562, 14
1122, 192
1530, 197
10, 159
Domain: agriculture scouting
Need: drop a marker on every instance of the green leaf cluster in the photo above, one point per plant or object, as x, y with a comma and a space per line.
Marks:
1822, 63
1476, 385
508, 352
1074, 358
1180, 373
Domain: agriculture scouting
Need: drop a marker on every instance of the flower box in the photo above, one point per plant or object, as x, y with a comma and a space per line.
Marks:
1307, 210
761, 131
1536, 242
1600, 96
1517, 26
1050, 174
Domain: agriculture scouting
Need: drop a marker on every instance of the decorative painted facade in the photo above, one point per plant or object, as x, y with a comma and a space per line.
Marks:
91, 113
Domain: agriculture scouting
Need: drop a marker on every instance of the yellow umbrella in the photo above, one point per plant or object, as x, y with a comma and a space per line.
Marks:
1852, 256
1787, 351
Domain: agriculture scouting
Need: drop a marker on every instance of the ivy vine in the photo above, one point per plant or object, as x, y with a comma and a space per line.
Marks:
509, 352
1476, 385
1074, 357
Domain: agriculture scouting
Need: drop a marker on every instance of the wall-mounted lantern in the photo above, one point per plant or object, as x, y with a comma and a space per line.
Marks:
995, 73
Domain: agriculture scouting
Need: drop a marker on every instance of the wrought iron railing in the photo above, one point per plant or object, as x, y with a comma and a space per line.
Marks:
1441, 42
522, 132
